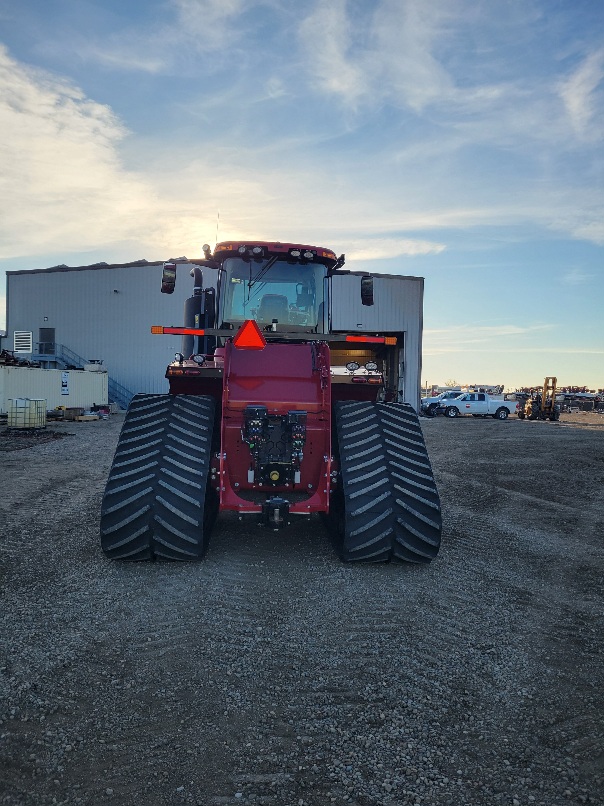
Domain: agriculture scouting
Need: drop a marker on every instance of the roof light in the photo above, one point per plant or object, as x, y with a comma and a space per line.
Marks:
352, 366
359, 379
179, 357
199, 359
249, 337
295, 252
308, 255
390, 340
257, 250
242, 250
371, 366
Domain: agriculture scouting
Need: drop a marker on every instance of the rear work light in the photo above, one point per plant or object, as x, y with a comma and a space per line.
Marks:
367, 379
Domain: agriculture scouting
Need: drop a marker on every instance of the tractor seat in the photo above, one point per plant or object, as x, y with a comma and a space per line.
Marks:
273, 306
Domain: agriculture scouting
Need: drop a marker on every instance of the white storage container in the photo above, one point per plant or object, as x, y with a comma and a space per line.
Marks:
71, 388
26, 413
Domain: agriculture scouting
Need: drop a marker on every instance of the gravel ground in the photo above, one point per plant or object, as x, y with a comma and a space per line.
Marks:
273, 674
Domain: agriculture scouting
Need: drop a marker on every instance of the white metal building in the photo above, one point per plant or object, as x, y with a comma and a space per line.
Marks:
98, 313
70, 316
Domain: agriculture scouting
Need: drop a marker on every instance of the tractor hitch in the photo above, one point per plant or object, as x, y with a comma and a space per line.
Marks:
275, 513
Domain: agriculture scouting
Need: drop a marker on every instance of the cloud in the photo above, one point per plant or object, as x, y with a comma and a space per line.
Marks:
209, 21
380, 248
124, 56
337, 66
196, 28
579, 93
478, 338
62, 181
576, 277
497, 95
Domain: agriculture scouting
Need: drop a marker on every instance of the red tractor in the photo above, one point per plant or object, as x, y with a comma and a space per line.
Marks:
260, 420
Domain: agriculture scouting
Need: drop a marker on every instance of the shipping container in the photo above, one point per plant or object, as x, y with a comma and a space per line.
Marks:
69, 388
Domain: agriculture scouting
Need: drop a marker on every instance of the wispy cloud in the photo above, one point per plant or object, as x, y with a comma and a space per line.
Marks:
480, 332
123, 56
191, 27
576, 277
583, 96
380, 248
333, 65
478, 338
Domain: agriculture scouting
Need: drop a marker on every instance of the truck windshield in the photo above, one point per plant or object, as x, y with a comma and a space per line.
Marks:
290, 293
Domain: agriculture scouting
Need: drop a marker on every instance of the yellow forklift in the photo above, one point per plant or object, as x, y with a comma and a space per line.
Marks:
542, 405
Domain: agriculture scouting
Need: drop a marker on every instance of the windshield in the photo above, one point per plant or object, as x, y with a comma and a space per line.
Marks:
290, 293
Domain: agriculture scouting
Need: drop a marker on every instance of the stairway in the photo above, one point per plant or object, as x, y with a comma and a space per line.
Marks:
57, 356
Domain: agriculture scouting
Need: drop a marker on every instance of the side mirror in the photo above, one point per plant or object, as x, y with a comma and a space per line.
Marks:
367, 290
168, 278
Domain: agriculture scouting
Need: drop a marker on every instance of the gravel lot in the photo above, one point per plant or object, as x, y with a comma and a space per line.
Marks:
273, 674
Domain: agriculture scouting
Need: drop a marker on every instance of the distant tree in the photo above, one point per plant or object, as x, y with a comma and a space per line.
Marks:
451, 382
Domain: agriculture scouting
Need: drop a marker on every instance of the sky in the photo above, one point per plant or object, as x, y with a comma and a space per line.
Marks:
456, 140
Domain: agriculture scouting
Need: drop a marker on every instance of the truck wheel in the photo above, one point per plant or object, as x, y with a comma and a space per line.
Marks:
432, 409
155, 502
452, 411
501, 414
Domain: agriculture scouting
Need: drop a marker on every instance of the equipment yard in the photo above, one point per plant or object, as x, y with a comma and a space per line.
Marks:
273, 673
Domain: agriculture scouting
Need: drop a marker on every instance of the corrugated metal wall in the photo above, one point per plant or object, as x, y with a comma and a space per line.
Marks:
397, 309
84, 389
105, 313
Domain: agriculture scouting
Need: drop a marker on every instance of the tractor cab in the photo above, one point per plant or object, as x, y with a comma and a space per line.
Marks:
279, 292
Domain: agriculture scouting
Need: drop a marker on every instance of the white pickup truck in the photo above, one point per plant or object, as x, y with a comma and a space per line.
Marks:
429, 405
479, 404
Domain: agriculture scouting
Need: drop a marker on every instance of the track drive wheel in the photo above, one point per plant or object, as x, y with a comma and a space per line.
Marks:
157, 502
387, 506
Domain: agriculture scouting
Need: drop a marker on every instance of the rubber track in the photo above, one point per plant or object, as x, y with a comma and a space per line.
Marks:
389, 505
156, 502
